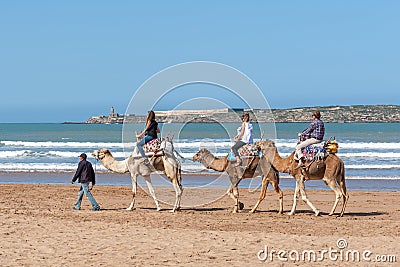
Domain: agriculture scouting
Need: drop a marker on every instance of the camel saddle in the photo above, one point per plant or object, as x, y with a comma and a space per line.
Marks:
320, 151
314, 153
246, 151
152, 148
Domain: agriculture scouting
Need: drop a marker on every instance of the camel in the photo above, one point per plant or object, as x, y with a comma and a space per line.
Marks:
252, 167
330, 170
134, 164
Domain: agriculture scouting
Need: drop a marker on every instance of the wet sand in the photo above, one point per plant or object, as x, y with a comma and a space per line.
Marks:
39, 228
212, 180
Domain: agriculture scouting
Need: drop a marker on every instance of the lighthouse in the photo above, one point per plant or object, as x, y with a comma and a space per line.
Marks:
112, 113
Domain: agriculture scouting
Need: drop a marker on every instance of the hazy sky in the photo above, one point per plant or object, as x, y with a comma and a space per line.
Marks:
69, 60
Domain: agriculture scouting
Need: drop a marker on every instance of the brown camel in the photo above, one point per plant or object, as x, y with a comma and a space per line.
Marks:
251, 167
134, 164
330, 170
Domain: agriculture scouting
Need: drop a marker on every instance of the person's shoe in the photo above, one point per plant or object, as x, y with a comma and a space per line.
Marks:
76, 208
300, 164
96, 208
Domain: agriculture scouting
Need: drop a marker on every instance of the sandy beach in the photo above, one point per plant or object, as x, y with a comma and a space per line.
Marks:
39, 228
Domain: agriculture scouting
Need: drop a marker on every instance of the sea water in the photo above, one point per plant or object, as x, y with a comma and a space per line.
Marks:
370, 151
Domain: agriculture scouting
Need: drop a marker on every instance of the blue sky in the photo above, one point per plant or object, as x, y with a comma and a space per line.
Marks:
69, 60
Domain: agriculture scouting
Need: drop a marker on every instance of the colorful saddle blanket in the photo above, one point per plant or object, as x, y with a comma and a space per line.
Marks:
152, 146
314, 152
249, 150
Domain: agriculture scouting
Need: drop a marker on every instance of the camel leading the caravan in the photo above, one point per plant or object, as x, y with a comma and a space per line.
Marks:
330, 170
135, 166
251, 167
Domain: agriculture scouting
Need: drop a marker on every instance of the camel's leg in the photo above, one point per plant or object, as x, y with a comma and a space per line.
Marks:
264, 187
178, 194
338, 194
305, 198
230, 192
275, 184
231, 195
134, 189
178, 179
235, 192
151, 190
295, 196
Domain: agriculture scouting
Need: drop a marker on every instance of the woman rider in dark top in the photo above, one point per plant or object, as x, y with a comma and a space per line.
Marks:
149, 133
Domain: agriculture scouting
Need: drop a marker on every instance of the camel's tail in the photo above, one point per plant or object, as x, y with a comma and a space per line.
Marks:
342, 185
342, 180
178, 172
179, 175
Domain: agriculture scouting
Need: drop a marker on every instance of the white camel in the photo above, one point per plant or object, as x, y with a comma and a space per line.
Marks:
165, 162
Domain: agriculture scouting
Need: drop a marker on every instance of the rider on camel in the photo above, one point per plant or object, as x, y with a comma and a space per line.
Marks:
314, 134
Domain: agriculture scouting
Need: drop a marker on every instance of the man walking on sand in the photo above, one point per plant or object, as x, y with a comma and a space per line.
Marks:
86, 174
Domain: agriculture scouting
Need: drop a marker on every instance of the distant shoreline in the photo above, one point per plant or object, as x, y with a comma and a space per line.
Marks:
334, 114
85, 123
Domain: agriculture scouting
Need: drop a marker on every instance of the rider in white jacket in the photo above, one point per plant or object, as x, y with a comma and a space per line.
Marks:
244, 137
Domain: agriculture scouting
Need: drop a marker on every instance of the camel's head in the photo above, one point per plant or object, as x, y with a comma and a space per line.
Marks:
268, 148
200, 154
100, 154
267, 144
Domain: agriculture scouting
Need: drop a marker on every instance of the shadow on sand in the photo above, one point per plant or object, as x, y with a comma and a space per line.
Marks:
346, 214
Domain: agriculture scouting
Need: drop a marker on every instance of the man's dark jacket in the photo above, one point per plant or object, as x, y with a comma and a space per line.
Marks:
85, 173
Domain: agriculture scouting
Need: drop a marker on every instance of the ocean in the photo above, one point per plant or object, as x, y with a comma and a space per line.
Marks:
370, 151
